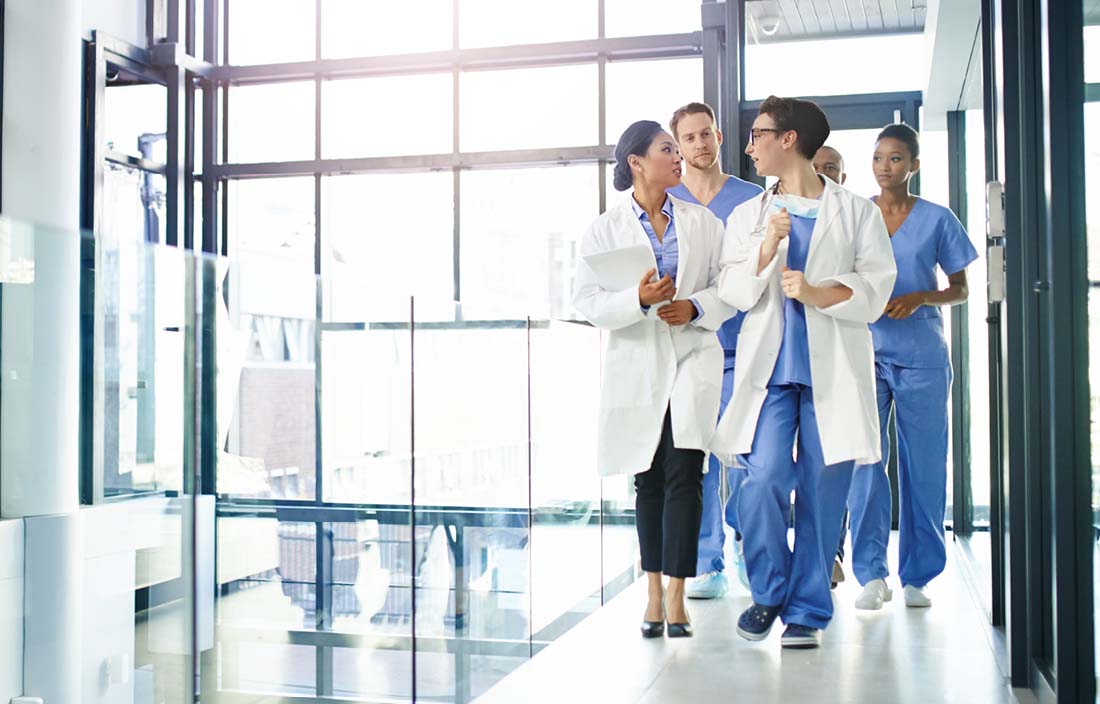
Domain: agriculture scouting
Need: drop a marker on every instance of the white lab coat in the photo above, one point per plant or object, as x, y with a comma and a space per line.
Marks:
649, 366
849, 246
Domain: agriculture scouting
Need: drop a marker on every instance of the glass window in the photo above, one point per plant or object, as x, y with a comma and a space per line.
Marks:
271, 31
857, 147
1092, 225
271, 122
613, 197
351, 28
387, 237
136, 119
636, 18
518, 249
507, 22
769, 67
632, 96
138, 347
366, 406
1092, 186
271, 236
522, 108
933, 164
1092, 54
397, 115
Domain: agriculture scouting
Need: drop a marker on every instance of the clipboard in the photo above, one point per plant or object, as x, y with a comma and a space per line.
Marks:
621, 269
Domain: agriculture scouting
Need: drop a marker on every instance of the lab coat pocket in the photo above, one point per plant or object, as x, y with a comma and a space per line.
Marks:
628, 375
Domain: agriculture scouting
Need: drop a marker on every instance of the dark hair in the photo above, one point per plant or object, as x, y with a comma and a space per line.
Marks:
904, 134
804, 117
635, 140
690, 109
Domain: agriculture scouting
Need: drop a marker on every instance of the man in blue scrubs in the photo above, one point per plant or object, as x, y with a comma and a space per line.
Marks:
829, 163
695, 129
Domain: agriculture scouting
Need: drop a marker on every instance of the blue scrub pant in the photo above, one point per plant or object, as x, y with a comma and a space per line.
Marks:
797, 581
919, 398
712, 533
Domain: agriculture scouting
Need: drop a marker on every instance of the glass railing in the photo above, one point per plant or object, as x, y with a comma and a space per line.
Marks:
290, 491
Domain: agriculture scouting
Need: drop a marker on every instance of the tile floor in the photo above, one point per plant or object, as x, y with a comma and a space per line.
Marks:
941, 654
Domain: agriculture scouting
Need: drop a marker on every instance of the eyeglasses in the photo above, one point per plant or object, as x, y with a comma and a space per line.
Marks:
756, 132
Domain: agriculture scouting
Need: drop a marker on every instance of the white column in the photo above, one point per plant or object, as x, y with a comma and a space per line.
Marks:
40, 337
40, 342
51, 608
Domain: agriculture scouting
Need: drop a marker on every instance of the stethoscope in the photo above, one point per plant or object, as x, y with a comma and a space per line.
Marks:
765, 205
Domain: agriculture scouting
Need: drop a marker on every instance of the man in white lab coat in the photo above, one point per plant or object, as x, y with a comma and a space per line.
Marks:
811, 264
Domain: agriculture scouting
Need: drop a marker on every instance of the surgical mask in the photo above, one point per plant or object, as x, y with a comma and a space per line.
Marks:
796, 205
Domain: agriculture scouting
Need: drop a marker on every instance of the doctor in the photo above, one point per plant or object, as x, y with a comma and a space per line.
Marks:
810, 262
697, 133
913, 370
663, 366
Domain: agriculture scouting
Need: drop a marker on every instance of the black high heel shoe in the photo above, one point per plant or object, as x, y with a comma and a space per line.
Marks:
653, 629
680, 630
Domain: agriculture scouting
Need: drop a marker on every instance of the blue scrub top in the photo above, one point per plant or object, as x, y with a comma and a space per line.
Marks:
792, 366
930, 236
733, 193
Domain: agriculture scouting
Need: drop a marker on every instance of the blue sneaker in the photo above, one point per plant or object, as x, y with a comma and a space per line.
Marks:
798, 636
739, 562
756, 621
711, 585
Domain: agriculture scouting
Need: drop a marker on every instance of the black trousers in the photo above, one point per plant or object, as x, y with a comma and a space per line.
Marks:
669, 508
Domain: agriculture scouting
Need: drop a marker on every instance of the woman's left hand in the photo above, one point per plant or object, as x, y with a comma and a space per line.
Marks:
902, 307
795, 286
677, 312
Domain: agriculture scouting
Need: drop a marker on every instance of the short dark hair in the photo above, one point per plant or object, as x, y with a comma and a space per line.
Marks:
804, 117
904, 134
690, 109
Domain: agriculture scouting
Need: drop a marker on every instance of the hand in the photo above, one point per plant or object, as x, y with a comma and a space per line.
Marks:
779, 226
795, 286
651, 293
677, 312
902, 307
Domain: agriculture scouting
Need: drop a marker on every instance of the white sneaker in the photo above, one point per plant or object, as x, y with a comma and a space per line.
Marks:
875, 593
916, 598
712, 585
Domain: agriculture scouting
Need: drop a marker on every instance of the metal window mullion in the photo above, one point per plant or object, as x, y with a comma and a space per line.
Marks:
480, 59
601, 118
456, 225
732, 78
176, 171
962, 508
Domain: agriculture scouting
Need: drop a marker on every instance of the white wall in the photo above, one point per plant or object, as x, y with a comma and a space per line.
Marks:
950, 46
122, 19
11, 609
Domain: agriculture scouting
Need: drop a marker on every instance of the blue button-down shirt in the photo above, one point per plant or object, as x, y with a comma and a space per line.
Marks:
667, 249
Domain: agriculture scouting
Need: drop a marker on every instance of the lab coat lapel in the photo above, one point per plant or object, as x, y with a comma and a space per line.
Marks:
682, 246
827, 217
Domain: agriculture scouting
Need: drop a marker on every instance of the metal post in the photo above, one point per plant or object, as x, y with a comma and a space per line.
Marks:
733, 82
962, 507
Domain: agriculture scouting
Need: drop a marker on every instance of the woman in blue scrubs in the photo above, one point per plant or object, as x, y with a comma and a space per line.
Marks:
810, 263
913, 376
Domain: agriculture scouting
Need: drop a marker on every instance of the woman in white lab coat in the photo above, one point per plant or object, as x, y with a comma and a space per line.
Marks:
811, 264
663, 367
